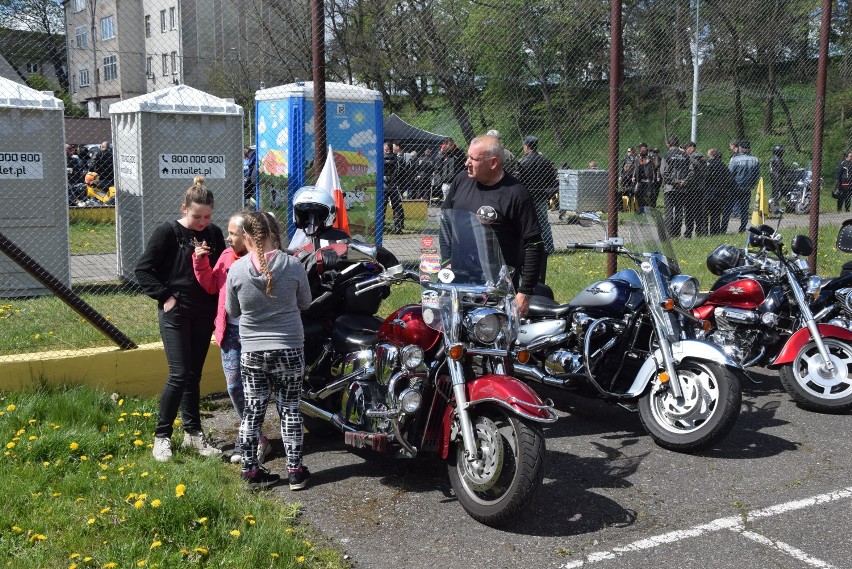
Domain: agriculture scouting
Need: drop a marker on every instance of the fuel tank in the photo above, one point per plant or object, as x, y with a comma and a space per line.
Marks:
609, 296
406, 326
746, 293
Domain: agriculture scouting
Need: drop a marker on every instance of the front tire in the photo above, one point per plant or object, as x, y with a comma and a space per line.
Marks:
709, 408
501, 483
812, 388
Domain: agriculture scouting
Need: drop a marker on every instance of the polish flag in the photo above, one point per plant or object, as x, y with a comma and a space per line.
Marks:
330, 182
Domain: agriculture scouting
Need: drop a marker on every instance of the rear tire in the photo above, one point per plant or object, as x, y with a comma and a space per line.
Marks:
706, 413
501, 484
813, 390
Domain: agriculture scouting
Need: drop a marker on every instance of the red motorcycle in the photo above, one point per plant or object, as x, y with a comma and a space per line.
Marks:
757, 312
434, 377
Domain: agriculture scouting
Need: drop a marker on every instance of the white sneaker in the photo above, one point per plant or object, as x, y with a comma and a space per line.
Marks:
162, 449
236, 457
198, 442
263, 450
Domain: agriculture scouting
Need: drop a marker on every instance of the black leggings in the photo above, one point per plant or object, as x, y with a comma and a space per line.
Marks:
186, 339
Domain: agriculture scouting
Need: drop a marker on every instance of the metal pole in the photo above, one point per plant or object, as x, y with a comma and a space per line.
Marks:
819, 120
696, 58
58, 288
615, 61
318, 49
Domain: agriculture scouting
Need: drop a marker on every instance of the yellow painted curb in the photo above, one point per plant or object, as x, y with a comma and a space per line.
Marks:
142, 371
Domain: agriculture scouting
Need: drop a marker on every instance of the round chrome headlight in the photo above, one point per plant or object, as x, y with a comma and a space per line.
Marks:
410, 400
485, 324
412, 356
684, 289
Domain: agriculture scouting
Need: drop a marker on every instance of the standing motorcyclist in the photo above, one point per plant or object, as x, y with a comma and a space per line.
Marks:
778, 174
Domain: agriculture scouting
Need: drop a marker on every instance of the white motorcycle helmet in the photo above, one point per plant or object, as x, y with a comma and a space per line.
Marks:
313, 210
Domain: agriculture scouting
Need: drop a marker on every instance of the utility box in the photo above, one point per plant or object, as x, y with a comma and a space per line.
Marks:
33, 186
284, 126
583, 190
161, 141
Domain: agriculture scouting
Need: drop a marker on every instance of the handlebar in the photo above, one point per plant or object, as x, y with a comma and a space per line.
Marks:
611, 245
392, 275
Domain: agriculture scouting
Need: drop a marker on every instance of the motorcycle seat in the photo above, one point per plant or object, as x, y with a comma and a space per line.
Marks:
546, 307
354, 332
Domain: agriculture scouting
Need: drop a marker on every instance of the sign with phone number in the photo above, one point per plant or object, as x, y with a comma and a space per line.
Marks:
190, 165
21, 166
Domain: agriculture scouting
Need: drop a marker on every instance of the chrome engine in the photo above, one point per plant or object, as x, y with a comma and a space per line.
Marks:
737, 334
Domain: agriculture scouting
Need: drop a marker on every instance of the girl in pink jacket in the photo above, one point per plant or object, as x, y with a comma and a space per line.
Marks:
227, 329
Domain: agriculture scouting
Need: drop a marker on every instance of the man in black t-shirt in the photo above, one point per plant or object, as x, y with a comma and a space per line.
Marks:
486, 186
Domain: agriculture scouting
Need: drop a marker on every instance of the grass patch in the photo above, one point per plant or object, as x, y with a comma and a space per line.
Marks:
80, 489
89, 238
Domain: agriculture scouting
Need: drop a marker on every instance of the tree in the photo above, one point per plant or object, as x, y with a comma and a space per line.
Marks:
41, 16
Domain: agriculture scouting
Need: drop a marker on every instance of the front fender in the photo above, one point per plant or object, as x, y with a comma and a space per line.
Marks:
803, 336
692, 349
504, 391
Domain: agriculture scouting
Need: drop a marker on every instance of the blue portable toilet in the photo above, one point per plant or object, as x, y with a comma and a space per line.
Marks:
284, 132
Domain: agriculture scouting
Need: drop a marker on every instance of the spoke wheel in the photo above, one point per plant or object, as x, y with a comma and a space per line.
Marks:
499, 483
703, 415
815, 388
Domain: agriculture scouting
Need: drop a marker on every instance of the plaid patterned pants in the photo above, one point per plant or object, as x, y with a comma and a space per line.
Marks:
280, 371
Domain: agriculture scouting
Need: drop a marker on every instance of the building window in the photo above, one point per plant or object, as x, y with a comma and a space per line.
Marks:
149, 66
34, 67
79, 5
110, 67
82, 36
174, 63
147, 26
165, 65
163, 21
107, 28
84, 78
172, 18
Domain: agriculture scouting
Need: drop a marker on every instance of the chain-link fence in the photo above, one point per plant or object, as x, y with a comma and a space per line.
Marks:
147, 95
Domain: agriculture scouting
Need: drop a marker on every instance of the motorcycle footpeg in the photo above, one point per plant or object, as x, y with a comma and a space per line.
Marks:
374, 441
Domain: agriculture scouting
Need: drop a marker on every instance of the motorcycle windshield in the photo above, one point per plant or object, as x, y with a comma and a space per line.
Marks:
645, 234
466, 268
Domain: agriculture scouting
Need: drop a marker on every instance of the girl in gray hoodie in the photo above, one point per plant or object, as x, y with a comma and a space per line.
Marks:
266, 290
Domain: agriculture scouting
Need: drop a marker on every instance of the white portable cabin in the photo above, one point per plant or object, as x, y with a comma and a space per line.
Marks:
162, 140
33, 186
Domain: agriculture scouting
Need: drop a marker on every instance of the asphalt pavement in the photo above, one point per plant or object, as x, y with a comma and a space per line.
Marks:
776, 492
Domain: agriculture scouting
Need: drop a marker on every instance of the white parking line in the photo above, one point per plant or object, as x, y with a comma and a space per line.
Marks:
733, 523
784, 548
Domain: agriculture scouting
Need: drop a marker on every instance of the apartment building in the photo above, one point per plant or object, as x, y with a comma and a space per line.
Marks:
119, 49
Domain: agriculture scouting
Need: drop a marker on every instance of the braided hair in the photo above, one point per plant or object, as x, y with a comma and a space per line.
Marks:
198, 193
259, 226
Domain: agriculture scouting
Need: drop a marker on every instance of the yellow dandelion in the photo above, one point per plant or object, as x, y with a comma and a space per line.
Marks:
102, 477
33, 438
235, 532
90, 521
156, 544
288, 530
177, 423
120, 420
202, 520
307, 543
251, 522
138, 504
104, 428
83, 458
155, 503
74, 446
55, 427
248, 517
131, 496
143, 496
37, 537
72, 566
274, 555
57, 494
146, 414
105, 510
80, 499
20, 432
300, 559
74, 556
120, 402
138, 443
110, 565
180, 490
37, 337
87, 559
144, 474
11, 407
201, 551
45, 463
16, 529
141, 563
10, 444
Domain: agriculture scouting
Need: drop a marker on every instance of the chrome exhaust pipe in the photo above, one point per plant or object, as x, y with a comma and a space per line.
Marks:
318, 413
534, 374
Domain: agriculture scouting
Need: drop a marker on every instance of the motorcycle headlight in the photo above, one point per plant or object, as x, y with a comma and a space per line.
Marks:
410, 400
684, 289
485, 324
812, 285
412, 356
